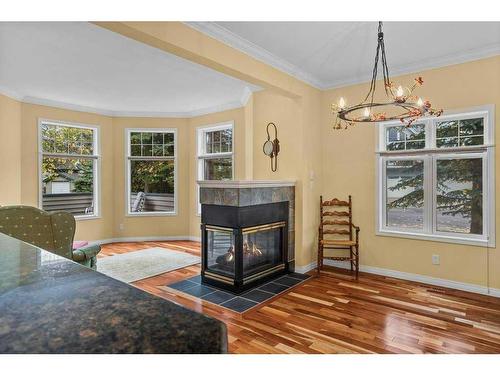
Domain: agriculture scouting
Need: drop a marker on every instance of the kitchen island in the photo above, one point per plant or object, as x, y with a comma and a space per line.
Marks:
49, 304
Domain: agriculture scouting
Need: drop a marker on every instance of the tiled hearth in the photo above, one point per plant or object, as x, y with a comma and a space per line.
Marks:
243, 302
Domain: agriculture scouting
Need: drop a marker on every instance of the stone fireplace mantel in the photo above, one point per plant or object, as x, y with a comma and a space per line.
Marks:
246, 184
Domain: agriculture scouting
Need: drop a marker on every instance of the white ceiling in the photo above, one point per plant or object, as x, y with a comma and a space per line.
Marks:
81, 66
332, 54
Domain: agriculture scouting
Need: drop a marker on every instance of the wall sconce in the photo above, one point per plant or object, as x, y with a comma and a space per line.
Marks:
272, 148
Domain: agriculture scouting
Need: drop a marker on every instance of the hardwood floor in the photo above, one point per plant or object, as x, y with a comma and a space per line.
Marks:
334, 313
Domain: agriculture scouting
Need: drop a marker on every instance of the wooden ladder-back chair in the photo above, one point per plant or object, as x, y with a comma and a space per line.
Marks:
336, 215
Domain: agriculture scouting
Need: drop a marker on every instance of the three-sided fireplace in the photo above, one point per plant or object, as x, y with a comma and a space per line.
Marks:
243, 246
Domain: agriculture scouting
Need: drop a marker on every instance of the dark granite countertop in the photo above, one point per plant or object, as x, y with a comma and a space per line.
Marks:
49, 304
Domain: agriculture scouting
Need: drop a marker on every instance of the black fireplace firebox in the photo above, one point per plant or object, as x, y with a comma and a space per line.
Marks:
243, 246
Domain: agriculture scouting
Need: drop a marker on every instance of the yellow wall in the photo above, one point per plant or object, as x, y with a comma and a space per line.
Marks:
286, 100
86, 229
10, 151
321, 160
20, 164
150, 226
349, 168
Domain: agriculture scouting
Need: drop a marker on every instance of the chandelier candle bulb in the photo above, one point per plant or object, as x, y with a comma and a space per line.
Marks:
399, 93
341, 103
420, 102
366, 113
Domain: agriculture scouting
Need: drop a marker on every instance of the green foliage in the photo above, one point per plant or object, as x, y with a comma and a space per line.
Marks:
466, 174
152, 176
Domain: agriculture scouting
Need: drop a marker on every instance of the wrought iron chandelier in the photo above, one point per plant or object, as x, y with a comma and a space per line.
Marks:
402, 103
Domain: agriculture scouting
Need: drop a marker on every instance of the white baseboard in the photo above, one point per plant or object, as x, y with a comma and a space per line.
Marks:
474, 288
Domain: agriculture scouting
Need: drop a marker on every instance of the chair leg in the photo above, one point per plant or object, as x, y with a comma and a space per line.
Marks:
320, 258
357, 260
352, 257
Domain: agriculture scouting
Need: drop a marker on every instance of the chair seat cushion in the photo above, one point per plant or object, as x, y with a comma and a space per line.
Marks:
338, 242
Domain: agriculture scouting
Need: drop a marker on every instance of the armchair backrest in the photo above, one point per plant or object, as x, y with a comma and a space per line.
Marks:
336, 218
51, 231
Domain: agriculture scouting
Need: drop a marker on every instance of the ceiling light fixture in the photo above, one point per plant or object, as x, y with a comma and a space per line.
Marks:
401, 105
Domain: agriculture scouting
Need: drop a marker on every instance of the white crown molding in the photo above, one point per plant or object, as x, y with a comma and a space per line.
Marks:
233, 40
247, 93
473, 288
225, 36
417, 67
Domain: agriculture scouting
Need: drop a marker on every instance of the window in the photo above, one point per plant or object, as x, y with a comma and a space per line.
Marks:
68, 168
436, 178
151, 171
215, 153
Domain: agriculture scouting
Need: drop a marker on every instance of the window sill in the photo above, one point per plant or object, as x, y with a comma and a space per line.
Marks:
151, 214
87, 217
436, 238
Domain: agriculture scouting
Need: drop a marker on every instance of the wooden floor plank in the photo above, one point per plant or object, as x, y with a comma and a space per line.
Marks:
335, 313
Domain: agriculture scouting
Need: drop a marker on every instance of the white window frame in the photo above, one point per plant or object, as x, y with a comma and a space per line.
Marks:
96, 156
201, 154
128, 158
430, 154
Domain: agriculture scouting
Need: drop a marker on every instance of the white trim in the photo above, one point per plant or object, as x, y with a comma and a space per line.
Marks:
242, 184
233, 40
247, 92
429, 155
128, 158
306, 268
96, 156
457, 285
201, 154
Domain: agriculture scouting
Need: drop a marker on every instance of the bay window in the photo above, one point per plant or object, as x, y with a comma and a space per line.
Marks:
68, 168
435, 179
151, 172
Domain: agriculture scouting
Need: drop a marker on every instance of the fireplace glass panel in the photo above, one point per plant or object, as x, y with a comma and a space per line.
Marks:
261, 248
220, 251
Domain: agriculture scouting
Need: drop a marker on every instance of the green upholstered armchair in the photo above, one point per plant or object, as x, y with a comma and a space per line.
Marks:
51, 231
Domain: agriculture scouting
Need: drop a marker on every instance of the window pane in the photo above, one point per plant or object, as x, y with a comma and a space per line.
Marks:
68, 185
473, 126
395, 146
135, 138
447, 129
460, 133
460, 196
415, 145
147, 150
227, 140
219, 141
447, 142
135, 150
151, 185
168, 150
218, 169
157, 150
471, 141
158, 138
67, 140
147, 138
405, 138
404, 193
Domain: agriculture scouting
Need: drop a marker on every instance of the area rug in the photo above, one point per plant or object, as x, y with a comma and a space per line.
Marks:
141, 264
